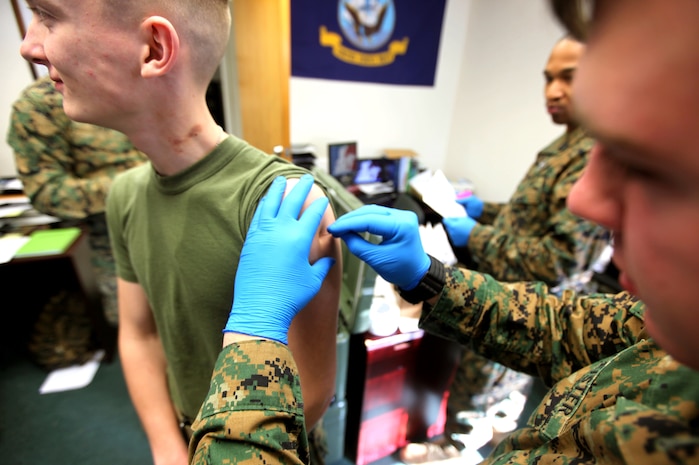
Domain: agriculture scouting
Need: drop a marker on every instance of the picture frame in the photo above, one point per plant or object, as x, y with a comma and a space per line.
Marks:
342, 161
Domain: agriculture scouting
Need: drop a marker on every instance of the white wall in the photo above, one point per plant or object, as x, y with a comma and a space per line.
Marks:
484, 119
15, 76
500, 122
380, 116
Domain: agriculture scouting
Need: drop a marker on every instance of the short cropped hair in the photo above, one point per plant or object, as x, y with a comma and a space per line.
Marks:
204, 25
574, 15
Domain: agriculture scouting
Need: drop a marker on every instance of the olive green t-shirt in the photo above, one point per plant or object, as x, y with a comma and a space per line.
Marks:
180, 238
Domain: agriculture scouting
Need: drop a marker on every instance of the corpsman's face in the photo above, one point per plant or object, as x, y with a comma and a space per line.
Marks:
558, 76
91, 61
636, 90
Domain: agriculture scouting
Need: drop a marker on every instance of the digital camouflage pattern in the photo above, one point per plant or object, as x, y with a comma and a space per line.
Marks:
616, 396
534, 237
253, 412
67, 168
61, 336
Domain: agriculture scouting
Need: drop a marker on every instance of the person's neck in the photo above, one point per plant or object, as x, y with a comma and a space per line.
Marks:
571, 127
177, 144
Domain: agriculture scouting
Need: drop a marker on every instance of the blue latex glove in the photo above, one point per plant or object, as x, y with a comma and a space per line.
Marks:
399, 258
275, 280
459, 229
473, 206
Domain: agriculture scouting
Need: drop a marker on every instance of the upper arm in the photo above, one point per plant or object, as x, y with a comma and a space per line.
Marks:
324, 244
135, 316
317, 322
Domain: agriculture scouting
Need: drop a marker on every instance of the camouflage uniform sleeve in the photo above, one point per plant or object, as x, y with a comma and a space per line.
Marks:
567, 248
536, 236
523, 326
66, 168
253, 412
490, 211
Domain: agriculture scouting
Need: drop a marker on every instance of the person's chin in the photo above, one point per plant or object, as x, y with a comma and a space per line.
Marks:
70, 112
627, 283
558, 118
79, 117
653, 330
669, 342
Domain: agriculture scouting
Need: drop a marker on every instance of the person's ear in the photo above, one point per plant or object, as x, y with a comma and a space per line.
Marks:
160, 47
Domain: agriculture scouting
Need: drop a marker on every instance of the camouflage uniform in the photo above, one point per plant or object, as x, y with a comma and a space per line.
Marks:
533, 237
616, 396
253, 412
67, 168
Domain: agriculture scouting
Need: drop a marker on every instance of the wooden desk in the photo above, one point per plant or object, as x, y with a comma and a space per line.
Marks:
28, 282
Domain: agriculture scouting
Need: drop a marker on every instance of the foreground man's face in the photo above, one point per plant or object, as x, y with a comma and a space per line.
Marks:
636, 90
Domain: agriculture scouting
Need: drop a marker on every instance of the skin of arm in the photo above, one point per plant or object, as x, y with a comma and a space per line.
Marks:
144, 366
317, 322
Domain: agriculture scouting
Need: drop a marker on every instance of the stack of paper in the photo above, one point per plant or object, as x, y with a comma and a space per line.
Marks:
436, 243
10, 244
436, 191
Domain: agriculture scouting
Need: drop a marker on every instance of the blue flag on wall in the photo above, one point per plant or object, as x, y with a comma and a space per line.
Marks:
384, 41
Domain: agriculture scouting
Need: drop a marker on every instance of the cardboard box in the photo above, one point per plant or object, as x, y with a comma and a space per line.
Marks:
399, 153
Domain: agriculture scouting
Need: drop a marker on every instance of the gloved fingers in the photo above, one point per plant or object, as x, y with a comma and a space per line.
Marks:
459, 229
294, 200
269, 205
308, 225
453, 231
458, 222
472, 204
471, 198
357, 244
450, 223
367, 210
382, 221
321, 268
464, 200
312, 216
372, 223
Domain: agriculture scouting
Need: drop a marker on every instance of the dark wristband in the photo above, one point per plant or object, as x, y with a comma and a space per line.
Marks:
429, 286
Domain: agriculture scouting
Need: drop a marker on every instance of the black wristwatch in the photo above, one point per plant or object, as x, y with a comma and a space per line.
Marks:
429, 286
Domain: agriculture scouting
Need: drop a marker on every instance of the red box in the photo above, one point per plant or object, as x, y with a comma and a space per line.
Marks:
381, 436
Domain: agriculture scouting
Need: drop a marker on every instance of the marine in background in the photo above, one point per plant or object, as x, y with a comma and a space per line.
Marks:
67, 168
531, 237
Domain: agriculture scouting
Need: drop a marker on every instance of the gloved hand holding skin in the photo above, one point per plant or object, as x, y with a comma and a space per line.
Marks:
399, 258
473, 206
459, 229
275, 280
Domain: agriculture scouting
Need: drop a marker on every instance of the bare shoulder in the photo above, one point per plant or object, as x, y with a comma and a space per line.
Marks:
316, 190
